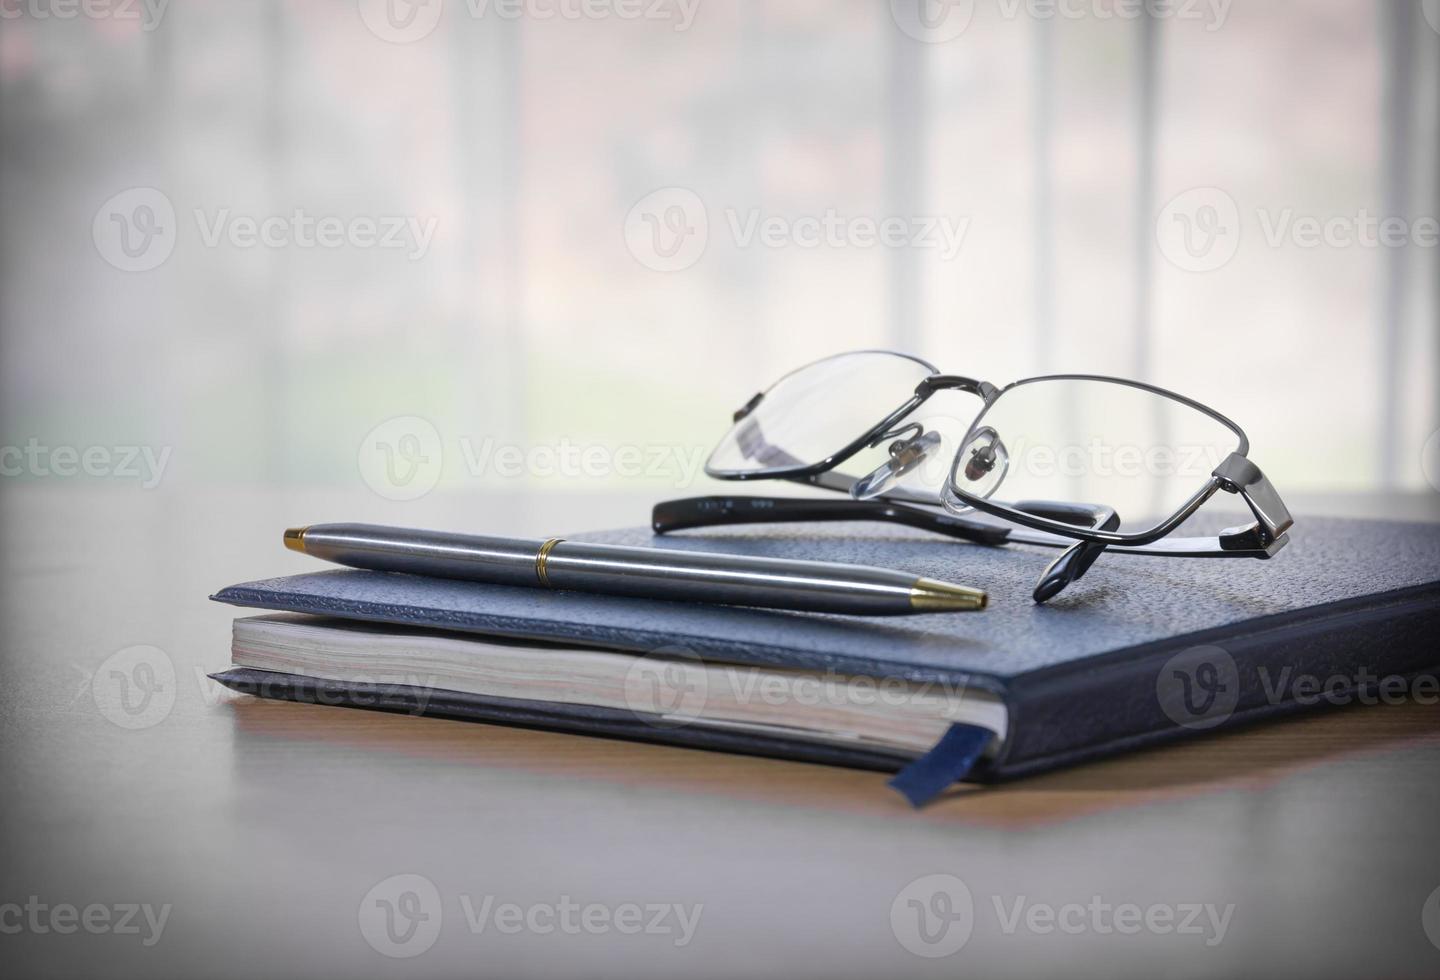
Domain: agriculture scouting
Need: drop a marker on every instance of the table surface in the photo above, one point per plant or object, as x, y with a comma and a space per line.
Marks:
303, 840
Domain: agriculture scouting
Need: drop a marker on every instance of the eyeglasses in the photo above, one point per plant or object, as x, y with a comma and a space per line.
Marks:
1062, 457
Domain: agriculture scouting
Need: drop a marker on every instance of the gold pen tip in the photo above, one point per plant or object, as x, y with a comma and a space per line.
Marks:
930, 595
295, 538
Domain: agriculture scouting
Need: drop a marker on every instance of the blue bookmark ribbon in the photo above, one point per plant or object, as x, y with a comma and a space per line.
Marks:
949, 761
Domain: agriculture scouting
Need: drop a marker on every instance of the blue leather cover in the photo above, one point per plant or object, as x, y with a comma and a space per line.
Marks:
1087, 674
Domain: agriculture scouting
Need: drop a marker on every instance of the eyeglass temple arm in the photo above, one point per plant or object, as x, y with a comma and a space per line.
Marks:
690, 512
1236, 474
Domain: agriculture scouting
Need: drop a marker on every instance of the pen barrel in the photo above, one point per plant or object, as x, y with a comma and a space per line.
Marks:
503, 561
652, 573
697, 576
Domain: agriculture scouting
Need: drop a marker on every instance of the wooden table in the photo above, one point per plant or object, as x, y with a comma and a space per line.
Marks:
275, 832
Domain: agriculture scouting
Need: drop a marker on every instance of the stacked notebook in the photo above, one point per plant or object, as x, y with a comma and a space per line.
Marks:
1140, 651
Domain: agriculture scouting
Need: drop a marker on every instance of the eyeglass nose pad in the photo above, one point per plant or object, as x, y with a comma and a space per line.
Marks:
980, 468
905, 455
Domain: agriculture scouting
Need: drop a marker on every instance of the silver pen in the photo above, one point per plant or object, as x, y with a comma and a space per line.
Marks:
653, 573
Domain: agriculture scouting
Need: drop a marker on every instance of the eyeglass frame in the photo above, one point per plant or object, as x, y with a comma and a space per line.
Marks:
1235, 474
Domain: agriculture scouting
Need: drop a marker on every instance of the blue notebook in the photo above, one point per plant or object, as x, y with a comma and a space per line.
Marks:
1142, 650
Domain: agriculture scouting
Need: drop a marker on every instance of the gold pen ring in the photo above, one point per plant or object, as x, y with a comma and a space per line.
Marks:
540, 557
